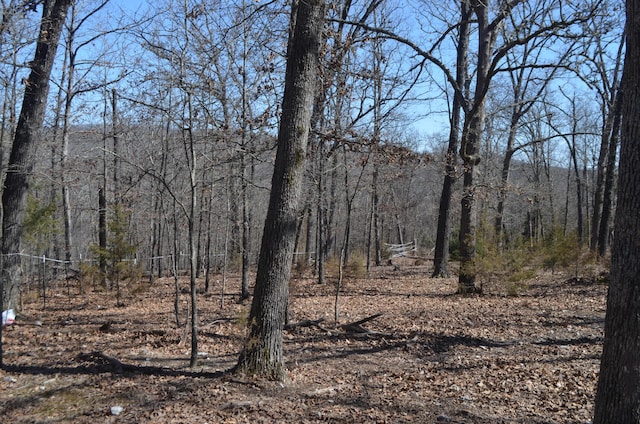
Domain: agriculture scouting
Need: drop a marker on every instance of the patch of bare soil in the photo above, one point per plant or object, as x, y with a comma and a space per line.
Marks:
431, 357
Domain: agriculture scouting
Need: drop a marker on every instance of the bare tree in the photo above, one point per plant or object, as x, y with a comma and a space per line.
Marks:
489, 60
75, 82
529, 76
600, 67
534, 21
441, 251
24, 149
15, 37
262, 352
330, 116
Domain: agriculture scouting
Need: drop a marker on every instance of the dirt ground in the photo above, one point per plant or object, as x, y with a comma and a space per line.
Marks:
518, 354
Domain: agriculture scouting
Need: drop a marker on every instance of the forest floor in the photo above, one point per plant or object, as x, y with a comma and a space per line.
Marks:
524, 353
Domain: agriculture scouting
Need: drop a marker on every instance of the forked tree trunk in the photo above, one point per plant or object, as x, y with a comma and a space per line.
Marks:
25, 144
618, 392
262, 354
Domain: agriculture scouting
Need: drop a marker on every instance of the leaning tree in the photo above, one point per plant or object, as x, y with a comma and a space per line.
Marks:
23, 152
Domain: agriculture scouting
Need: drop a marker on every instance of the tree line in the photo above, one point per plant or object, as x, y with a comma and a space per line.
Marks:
193, 115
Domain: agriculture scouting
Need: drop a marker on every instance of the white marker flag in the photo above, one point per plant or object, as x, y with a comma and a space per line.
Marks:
8, 317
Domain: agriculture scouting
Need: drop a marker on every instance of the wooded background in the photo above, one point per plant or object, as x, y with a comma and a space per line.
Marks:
161, 107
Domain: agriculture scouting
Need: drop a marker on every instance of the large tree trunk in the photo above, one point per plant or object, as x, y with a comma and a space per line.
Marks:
618, 392
471, 137
262, 353
25, 143
441, 253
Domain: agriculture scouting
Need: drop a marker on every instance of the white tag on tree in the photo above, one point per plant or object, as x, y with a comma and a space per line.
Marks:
8, 317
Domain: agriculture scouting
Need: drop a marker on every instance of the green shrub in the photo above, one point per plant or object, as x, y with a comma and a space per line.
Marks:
120, 267
560, 251
332, 266
510, 266
40, 223
356, 266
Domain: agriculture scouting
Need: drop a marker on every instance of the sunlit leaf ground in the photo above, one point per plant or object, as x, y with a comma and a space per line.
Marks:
524, 355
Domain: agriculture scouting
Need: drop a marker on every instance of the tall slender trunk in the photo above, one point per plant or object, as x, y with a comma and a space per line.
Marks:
579, 191
116, 143
441, 252
321, 212
374, 229
308, 242
246, 229
601, 170
348, 203
193, 263
376, 215
102, 233
175, 256
332, 205
66, 128
199, 230
207, 273
27, 137
611, 106
102, 204
609, 182
56, 169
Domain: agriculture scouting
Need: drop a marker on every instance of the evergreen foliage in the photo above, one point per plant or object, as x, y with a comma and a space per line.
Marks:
119, 255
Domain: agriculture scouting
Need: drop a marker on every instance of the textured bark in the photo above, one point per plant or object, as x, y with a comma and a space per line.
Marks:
262, 353
469, 144
25, 144
618, 392
441, 253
